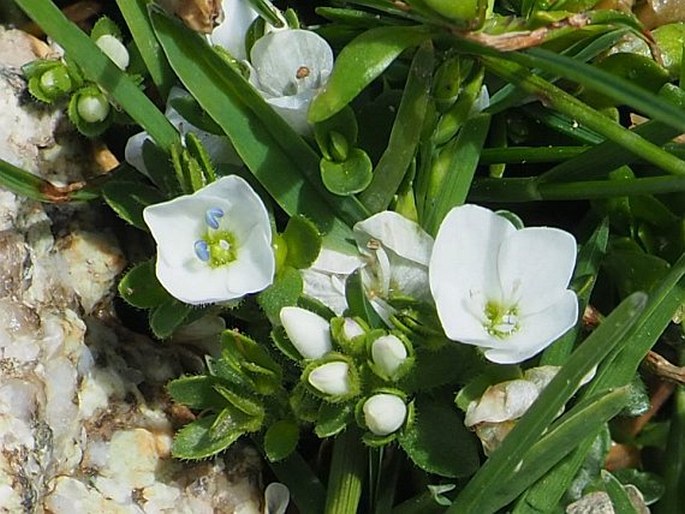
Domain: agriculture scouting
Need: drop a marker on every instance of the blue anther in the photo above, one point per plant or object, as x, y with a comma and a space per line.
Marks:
212, 217
202, 250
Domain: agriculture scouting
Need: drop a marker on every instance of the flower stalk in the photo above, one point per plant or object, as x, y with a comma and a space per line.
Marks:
347, 472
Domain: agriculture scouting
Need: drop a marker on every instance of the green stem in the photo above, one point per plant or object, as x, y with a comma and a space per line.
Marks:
529, 154
531, 190
563, 102
347, 473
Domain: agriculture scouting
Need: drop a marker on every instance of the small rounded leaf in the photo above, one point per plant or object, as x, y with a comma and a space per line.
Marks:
281, 439
348, 177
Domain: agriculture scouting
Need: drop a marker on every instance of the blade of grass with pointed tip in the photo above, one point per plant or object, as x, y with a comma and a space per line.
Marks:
97, 67
487, 484
282, 162
406, 131
359, 63
663, 302
135, 14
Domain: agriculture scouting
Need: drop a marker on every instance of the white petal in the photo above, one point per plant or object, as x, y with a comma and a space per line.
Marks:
535, 265
255, 265
280, 56
388, 353
309, 332
329, 289
502, 402
230, 34
276, 498
541, 376
331, 378
133, 153
463, 271
333, 261
537, 331
294, 109
404, 237
384, 413
114, 49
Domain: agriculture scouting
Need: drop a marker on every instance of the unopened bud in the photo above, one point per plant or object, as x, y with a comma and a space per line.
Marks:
114, 49
309, 332
384, 413
331, 378
388, 354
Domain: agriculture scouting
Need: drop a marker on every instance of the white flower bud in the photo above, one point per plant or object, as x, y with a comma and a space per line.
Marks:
114, 49
309, 332
331, 378
384, 413
276, 498
351, 329
92, 109
388, 353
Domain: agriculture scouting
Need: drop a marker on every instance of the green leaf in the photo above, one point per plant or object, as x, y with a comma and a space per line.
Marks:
280, 440
460, 160
358, 303
140, 287
97, 67
128, 199
167, 317
303, 241
196, 441
486, 487
332, 419
650, 485
359, 63
405, 135
244, 350
343, 123
448, 453
241, 402
135, 14
196, 392
282, 162
349, 176
285, 291
619, 497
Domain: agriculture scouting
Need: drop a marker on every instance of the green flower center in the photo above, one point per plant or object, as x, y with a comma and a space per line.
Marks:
218, 246
501, 321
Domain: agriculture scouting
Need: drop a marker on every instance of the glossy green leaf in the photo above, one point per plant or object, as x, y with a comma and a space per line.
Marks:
359, 63
332, 419
280, 440
283, 163
449, 453
303, 242
404, 138
344, 124
358, 303
96, 66
349, 176
619, 497
140, 287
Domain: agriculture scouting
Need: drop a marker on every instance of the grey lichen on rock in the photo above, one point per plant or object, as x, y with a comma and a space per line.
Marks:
85, 423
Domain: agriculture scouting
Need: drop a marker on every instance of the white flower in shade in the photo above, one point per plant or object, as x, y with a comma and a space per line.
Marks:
218, 147
384, 413
230, 33
332, 378
388, 353
500, 288
309, 332
288, 69
213, 245
276, 498
394, 253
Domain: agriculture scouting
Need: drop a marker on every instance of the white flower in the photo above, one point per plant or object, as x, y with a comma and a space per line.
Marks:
213, 245
114, 49
331, 378
384, 413
501, 288
276, 498
309, 332
230, 33
394, 253
388, 353
288, 69
218, 147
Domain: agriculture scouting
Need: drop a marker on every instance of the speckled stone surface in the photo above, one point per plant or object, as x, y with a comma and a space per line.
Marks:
85, 424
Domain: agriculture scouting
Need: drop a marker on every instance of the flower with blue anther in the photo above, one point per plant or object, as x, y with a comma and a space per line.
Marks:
214, 245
